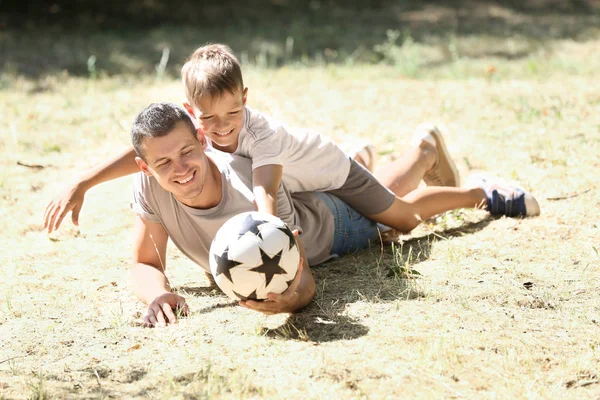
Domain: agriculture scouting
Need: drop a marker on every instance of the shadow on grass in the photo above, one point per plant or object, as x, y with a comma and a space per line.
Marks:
382, 274
94, 38
198, 291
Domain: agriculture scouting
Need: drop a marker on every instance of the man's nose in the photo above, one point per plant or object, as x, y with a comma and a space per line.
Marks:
180, 167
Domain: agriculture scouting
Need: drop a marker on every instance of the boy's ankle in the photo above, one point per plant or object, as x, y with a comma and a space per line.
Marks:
428, 155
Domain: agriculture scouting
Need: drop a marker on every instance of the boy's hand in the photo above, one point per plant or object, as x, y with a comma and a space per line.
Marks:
71, 199
279, 303
161, 312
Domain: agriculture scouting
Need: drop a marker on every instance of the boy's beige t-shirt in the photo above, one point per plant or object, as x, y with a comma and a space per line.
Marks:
311, 161
192, 230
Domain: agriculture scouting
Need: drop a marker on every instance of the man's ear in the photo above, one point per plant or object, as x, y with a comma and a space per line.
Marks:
201, 138
245, 95
143, 166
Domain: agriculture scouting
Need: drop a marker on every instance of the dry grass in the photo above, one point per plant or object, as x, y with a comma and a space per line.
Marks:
499, 308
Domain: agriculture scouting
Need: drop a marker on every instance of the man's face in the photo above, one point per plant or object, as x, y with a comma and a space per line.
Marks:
178, 163
220, 118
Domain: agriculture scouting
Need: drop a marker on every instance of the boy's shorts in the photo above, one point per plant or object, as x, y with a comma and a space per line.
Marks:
363, 192
353, 231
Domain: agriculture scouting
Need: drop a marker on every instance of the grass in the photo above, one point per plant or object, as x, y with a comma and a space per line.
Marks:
466, 306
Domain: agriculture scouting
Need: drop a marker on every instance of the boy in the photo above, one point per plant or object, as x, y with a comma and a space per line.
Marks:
303, 159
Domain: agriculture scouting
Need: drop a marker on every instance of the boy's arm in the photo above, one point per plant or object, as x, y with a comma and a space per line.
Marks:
148, 279
298, 295
71, 199
265, 184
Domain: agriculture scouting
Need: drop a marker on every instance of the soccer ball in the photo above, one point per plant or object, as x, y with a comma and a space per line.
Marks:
252, 254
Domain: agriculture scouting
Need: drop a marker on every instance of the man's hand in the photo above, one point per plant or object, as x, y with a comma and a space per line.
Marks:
287, 301
161, 312
71, 199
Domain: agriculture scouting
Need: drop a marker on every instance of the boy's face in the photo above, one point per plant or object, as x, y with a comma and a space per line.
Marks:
220, 118
178, 163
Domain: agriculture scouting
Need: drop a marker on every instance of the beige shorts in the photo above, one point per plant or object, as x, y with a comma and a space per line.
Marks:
363, 192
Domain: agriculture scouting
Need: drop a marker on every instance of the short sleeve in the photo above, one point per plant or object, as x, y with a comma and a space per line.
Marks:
268, 146
285, 208
141, 187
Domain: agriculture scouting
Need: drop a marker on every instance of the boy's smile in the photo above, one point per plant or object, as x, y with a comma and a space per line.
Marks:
221, 118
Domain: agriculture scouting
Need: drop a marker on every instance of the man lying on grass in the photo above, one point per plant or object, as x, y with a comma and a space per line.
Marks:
186, 192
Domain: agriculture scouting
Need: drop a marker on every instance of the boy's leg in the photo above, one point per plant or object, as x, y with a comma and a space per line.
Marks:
499, 199
404, 175
409, 211
427, 159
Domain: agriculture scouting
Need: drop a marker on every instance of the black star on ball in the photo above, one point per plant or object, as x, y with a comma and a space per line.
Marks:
224, 264
290, 235
251, 296
251, 225
270, 266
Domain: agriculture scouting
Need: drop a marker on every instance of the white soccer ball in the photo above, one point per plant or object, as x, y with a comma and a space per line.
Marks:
252, 254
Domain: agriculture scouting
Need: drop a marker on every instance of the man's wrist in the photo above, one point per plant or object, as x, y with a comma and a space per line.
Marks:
151, 299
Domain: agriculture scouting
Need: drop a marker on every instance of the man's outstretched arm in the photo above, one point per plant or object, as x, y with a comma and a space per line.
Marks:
148, 279
71, 199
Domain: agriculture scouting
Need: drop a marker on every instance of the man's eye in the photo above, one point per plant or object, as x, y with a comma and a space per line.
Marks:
233, 112
164, 164
205, 118
185, 153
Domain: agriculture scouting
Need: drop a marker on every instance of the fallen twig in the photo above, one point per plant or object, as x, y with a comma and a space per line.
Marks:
34, 166
567, 197
11, 358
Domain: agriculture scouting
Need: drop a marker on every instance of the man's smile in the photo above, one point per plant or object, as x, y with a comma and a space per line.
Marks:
187, 179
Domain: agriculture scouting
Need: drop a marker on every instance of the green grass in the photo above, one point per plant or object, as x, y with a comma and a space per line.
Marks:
447, 311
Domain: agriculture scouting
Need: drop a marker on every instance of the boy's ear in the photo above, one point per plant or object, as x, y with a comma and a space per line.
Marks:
245, 95
189, 109
143, 166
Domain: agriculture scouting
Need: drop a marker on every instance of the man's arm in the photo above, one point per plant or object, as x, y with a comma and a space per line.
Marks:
298, 295
71, 199
265, 182
148, 279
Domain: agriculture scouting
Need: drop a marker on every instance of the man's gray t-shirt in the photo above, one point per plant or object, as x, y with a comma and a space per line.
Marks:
192, 230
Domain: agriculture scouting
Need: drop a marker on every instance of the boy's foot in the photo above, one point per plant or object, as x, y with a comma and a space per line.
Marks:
444, 171
507, 200
365, 155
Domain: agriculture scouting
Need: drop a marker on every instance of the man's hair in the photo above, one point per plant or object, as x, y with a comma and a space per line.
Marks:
157, 120
211, 70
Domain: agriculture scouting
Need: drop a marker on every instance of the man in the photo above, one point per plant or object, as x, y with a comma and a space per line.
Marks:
186, 192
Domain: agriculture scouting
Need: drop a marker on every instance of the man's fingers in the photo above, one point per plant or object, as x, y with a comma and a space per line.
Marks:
61, 215
171, 318
263, 307
296, 282
75, 214
51, 217
150, 318
47, 213
147, 323
157, 311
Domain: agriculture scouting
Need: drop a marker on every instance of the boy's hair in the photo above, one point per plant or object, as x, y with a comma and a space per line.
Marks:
157, 120
211, 70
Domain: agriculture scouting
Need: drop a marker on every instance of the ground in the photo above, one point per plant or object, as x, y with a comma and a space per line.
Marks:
465, 307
